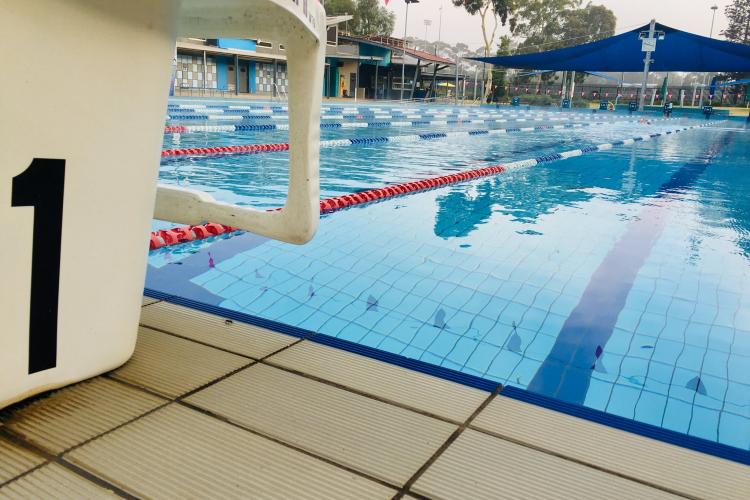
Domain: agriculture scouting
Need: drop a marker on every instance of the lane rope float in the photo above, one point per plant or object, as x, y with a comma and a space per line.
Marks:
183, 234
355, 141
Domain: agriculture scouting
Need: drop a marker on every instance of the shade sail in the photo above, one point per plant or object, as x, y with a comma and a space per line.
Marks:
679, 51
744, 81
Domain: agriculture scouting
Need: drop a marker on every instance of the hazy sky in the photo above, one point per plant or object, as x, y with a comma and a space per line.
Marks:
458, 26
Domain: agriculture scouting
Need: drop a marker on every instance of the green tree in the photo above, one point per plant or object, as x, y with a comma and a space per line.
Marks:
500, 75
340, 7
374, 19
589, 24
490, 12
738, 15
369, 17
585, 25
554, 24
540, 22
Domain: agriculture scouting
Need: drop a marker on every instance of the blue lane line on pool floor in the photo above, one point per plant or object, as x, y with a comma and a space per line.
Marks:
647, 430
565, 374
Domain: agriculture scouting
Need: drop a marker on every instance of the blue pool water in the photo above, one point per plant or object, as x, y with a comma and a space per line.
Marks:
619, 280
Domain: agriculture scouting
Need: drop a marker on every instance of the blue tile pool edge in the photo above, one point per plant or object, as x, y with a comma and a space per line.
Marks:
646, 430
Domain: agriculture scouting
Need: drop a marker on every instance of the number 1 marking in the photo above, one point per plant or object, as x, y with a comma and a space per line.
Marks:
41, 186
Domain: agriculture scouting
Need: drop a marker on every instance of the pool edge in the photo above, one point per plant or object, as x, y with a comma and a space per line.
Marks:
642, 429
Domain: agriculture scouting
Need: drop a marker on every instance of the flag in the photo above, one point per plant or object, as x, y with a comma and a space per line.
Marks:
663, 87
386, 2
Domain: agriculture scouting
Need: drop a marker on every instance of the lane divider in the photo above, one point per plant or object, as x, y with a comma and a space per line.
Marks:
184, 129
350, 110
356, 141
340, 202
356, 115
183, 234
263, 119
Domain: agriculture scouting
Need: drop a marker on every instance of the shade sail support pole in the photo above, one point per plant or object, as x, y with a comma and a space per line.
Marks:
572, 90
646, 65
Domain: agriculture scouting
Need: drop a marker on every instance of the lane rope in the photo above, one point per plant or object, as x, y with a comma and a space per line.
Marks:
359, 141
169, 237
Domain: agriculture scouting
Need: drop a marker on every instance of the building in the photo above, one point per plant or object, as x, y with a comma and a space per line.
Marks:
228, 65
371, 65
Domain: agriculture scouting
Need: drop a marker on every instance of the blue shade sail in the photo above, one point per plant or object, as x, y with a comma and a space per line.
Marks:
678, 51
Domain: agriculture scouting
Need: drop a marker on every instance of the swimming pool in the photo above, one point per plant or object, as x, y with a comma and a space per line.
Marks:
617, 281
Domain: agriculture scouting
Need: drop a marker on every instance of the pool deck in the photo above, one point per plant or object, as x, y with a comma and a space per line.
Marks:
211, 408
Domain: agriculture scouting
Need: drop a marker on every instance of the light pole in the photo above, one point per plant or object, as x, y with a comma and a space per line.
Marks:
427, 24
440, 28
403, 56
710, 35
713, 18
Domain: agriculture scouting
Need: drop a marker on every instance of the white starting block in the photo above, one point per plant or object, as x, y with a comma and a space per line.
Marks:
83, 92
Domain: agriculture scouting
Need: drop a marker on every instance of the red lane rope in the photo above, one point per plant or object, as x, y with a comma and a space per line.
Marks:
169, 237
174, 236
249, 148
348, 200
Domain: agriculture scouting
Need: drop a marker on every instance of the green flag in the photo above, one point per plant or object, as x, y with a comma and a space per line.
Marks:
664, 89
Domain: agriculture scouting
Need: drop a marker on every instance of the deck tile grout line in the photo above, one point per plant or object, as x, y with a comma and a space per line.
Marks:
265, 360
58, 459
133, 385
200, 342
405, 489
91, 477
362, 393
285, 444
580, 462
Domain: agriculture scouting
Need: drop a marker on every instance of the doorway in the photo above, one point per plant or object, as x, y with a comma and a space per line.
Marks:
244, 77
231, 82
352, 84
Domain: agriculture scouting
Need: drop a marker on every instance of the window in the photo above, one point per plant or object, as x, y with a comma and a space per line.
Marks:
332, 35
266, 45
281, 47
396, 83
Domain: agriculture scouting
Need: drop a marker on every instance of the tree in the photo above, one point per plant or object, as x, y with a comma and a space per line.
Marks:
489, 11
374, 19
589, 24
555, 24
540, 22
499, 75
369, 17
340, 7
738, 14
585, 25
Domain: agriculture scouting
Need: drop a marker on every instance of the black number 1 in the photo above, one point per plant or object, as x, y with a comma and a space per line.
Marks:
41, 186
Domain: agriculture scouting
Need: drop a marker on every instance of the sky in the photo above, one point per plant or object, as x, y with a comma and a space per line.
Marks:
459, 26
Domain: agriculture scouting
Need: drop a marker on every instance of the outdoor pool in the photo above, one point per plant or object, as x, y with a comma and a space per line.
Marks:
618, 280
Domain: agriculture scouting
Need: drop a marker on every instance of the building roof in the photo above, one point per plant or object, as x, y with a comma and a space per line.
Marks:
399, 45
334, 20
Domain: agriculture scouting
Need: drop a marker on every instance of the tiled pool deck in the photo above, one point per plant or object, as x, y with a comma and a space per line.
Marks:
211, 408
